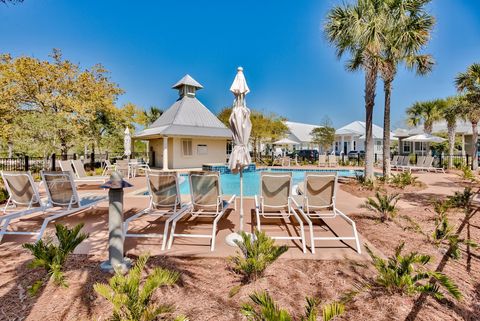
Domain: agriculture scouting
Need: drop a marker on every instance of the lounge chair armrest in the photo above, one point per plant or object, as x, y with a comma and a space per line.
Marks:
232, 199
257, 204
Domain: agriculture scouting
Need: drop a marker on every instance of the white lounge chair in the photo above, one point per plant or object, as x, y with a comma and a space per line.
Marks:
108, 168
318, 202
419, 165
135, 166
164, 194
322, 160
82, 174
123, 167
207, 201
275, 202
63, 200
332, 160
66, 166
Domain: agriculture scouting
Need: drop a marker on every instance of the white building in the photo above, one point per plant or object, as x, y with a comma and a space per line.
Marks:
301, 133
352, 137
187, 135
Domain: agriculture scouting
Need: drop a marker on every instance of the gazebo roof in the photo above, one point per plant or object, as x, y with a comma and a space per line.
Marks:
187, 80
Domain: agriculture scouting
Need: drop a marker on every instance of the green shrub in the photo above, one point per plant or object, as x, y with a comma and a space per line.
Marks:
132, 300
366, 183
407, 274
403, 179
462, 199
255, 255
467, 173
264, 308
385, 205
458, 163
3, 195
52, 257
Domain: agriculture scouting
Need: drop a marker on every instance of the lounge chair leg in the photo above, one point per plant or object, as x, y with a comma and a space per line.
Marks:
302, 232
258, 221
4, 228
312, 238
165, 233
357, 242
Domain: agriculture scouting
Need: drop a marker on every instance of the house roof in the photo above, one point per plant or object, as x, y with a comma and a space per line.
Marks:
463, 128
186, 117
357, 128
300, 132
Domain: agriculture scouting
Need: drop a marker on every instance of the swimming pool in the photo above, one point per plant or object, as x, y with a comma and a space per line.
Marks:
251, 180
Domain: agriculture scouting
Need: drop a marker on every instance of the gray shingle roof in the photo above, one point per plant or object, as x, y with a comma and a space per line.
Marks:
187, 117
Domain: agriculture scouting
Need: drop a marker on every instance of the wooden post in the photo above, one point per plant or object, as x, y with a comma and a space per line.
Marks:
53, 165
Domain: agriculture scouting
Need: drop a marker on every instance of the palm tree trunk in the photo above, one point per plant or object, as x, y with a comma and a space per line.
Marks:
451, 143
387, 88
370, 85
474, 145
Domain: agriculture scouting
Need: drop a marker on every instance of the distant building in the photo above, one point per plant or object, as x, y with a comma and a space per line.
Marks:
464, 130
301, 133
352, 137
187, 135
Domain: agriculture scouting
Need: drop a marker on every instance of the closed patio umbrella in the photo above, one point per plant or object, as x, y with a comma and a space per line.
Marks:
241, 127
127, 143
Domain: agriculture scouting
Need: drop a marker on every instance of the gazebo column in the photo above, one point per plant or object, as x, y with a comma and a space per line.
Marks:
352, 144
165, 153
342, 149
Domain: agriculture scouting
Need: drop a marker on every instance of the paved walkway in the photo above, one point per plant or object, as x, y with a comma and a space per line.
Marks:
96, 224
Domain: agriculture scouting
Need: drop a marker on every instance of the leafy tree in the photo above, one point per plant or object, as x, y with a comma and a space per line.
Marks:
468, 83
264, 308
132, 299
426, 112
407, 274
408, 31
359, 29
324, 136
256, 254
265, 127
73, 104
150, 115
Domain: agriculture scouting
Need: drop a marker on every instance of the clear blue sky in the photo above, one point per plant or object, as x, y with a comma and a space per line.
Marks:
290, 68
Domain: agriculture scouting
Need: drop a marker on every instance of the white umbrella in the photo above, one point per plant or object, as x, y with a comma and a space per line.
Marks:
127, 143
425, 138
285, 141
241, 127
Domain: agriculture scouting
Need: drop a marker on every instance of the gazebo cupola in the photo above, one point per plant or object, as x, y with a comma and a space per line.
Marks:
187, 86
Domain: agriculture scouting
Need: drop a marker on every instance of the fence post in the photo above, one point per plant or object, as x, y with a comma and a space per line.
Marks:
74, 156
53, 162
468, 162
440, 162
152, 161
358, 159
26, 163
416, 156
376, 158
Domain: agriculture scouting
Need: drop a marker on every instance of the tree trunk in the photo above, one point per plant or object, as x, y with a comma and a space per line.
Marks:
474, 146
451, 143
370, 84
387, 88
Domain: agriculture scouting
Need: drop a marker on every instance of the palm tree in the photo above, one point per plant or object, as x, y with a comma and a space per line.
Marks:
408, 33
468, 82
451, 112
426, 112
359, 31
151, 115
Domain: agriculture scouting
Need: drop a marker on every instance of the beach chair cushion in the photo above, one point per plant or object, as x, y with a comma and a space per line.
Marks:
275, 190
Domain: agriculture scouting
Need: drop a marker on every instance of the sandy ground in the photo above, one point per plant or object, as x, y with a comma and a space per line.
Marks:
203, 292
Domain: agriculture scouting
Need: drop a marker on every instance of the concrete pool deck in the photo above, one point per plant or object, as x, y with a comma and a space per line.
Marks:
96, 224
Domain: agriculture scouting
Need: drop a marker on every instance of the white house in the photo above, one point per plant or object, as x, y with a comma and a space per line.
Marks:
463, 129
352, 137
301, 133
187, 135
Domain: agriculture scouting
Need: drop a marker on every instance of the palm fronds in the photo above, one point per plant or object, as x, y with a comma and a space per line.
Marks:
257, 252
131, 298
384, 204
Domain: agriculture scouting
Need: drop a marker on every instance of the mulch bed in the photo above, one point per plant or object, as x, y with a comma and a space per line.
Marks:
203, 292
355, 188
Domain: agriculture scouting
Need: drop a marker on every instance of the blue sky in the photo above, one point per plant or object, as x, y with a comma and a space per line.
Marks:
290, 68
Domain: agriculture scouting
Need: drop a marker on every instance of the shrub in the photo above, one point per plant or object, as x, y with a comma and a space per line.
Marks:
462, 199
403, 179
467, 173
265, 309
3, 195
132, 300
458, 163
52, 257
385, 205
407, 274
366, 183
256, 255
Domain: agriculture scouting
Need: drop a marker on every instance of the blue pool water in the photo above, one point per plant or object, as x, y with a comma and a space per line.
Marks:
251, 180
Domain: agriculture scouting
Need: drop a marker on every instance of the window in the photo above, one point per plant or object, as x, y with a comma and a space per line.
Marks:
187, 147
406, 147
202, 149
379, 143
229, 147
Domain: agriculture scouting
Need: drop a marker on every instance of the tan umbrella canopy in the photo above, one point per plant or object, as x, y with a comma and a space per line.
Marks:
241, 127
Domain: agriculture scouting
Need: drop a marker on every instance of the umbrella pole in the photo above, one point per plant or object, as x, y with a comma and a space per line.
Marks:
241, 199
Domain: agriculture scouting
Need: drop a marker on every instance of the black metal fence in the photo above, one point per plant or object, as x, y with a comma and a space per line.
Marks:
36, 164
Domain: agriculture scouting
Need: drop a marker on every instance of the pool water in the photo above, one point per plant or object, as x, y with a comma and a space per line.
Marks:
251, 180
